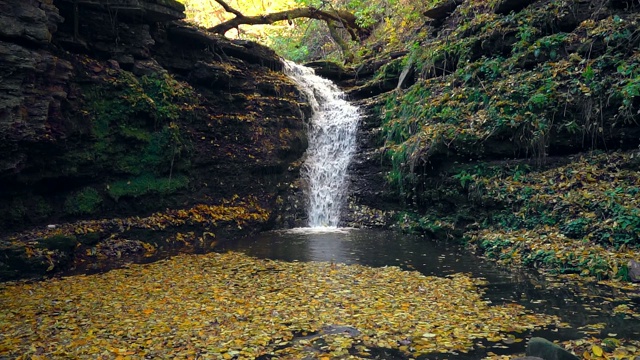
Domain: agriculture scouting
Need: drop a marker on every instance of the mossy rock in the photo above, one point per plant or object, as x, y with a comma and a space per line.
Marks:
89, 238
58, 242
14, 263
147, 184
547, 350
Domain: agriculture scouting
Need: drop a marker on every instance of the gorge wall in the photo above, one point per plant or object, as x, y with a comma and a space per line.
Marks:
115, 115
510, 126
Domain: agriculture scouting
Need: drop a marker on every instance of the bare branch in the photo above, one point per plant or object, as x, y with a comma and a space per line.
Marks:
347, 19
228, 8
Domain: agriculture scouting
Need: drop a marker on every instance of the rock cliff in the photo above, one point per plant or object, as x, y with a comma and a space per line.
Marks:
116, 109
512, 126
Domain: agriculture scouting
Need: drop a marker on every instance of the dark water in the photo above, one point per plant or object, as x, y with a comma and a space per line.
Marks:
576, 305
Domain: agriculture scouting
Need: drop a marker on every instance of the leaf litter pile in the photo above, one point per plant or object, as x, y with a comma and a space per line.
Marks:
234, 306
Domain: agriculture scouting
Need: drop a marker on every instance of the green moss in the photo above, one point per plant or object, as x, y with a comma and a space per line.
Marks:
89, 238
133, 124
433, 226
390, 70
84, 202
146, 184
58, 242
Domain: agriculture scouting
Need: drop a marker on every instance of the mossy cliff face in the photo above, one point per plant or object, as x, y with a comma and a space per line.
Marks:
514, 126
127, 113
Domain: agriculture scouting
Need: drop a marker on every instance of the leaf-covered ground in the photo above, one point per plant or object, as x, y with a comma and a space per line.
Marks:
101, 242
582, 217
234, 306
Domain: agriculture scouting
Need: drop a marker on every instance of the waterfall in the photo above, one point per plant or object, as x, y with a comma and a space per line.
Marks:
332, 143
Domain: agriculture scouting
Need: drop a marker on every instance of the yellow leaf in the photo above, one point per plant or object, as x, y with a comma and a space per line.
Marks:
597, 350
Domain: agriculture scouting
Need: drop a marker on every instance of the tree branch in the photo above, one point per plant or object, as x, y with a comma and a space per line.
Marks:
347, 19
228, 8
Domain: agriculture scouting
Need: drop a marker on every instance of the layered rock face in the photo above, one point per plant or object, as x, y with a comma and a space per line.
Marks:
114, 109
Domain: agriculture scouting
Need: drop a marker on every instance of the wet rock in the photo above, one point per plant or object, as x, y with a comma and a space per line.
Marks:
35, 258
372, 88
358, 215
369, 67
331, 70
545, 349
634, 270
58, 242
338, 329
116, 248
529, 358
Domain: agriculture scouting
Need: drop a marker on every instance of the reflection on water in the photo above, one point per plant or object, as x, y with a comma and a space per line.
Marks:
576, 306
365, 247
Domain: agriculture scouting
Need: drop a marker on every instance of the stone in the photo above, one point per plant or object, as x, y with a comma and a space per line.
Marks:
331, 70
250, 52
150, 10
34, 83
210, 74
507, 6
124, 61
442, 11
148, 68
529, 358
28, 20
163, 10
634, 270
545, 349
371, 89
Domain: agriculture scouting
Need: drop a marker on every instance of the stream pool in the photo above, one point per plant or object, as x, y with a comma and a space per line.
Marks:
313, 294
588, 309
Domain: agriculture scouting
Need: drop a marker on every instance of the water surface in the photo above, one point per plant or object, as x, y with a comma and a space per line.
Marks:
579, 306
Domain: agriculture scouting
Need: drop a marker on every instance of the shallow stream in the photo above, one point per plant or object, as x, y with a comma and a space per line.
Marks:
587, 309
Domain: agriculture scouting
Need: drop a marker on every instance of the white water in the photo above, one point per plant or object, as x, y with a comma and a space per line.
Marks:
332, 143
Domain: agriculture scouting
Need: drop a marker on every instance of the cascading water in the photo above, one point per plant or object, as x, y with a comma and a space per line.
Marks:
332, 143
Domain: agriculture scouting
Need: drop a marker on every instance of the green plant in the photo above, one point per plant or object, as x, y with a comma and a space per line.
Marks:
465, 178
146, 184
575, 228
84, 202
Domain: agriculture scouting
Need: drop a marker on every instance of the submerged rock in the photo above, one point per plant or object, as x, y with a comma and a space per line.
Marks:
634, 270
545, 349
